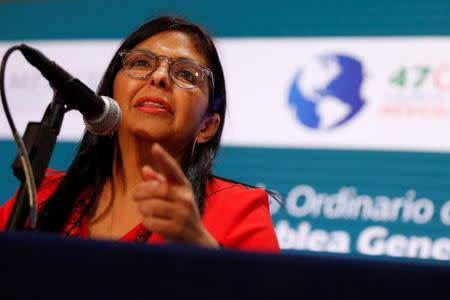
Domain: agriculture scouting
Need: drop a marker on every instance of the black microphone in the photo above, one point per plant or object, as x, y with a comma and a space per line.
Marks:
101, 114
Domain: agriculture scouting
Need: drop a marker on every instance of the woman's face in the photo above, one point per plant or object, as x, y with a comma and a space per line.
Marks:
155, 108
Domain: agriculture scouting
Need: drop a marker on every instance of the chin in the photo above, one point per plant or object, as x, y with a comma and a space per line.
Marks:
151, 136
147, 128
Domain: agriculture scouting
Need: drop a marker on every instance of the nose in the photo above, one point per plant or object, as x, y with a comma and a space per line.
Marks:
160, 76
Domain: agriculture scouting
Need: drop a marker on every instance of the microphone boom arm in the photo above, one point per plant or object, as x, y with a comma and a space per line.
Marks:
39, 139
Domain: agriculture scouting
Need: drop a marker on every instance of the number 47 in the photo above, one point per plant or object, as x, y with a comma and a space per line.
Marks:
405, 75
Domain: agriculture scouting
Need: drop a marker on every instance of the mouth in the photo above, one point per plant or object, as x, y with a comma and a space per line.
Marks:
153, 104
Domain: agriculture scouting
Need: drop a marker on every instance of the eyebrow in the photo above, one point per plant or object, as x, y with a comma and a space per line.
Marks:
171, 57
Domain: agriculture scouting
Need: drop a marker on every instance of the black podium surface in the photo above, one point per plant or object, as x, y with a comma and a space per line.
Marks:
38, 266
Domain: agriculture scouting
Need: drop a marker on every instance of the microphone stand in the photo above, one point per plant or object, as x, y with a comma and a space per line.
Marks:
39, 139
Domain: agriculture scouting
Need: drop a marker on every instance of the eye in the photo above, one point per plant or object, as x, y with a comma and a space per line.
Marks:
140, 63
186, 75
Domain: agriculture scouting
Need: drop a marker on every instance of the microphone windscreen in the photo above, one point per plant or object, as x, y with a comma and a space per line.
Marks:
108, 121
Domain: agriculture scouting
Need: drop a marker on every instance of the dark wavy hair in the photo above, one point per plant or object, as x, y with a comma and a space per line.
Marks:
93, 162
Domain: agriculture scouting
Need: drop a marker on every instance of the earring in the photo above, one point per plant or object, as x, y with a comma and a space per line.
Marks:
193, 148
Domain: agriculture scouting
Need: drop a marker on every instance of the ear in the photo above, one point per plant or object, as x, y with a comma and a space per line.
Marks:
208, 128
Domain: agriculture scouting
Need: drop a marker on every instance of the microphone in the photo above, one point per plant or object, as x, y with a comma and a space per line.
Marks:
101, 114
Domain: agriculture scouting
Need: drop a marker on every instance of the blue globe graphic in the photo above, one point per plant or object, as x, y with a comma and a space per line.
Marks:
326, 93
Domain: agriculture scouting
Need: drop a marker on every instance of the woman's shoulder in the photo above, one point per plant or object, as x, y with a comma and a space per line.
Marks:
52, 178
228, 197
219, 186
238, 216
48, 185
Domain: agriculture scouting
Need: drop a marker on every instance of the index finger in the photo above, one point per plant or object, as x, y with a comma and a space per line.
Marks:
168, 166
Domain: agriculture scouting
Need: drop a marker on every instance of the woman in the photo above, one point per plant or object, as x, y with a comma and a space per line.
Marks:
151, 180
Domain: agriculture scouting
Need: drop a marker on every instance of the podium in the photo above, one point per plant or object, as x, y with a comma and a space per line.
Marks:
41, 266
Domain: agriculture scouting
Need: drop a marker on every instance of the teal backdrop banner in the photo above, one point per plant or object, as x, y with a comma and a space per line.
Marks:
80, 19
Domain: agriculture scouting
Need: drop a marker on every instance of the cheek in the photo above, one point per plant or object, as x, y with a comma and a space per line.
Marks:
194, 104
124, 89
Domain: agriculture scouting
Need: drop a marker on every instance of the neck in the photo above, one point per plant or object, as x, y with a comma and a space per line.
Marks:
131, 154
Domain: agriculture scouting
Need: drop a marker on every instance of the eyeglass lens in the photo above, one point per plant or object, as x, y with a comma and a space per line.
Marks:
184, 73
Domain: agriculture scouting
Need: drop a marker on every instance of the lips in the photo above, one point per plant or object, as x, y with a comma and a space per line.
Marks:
153, 104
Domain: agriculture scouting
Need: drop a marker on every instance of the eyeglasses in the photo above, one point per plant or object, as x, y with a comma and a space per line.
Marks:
185, 73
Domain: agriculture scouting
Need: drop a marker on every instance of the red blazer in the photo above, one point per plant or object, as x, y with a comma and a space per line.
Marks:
237, 217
